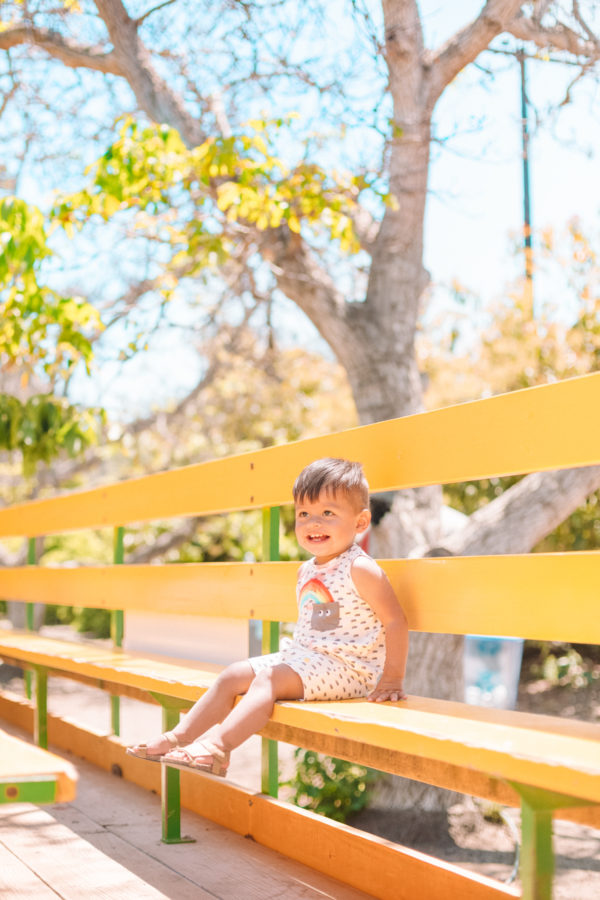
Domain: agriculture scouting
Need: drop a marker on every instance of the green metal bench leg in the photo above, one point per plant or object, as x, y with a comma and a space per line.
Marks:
537, 854
117, 630
270, 644
29, 623
40, 726
270, 767
117, 626
170, 786
30, 614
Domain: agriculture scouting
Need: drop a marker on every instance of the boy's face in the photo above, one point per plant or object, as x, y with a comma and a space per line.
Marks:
327, 526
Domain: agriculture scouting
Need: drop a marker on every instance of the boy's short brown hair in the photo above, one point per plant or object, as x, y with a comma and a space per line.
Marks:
332, 476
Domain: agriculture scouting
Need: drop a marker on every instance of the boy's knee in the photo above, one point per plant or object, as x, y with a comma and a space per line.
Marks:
237, 677
262, 677
264, 682
279, 682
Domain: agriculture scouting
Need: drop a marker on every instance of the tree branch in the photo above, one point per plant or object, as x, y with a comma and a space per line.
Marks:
170, 540
582, 23
69, 52
526, 513
366, 227
154, 9
559, 37
130, 59
153, 94
304, 281
466, 45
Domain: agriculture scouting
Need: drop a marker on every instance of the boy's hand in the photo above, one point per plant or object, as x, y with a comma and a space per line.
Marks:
387, 689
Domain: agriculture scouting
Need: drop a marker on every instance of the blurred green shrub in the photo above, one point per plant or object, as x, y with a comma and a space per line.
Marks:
331, 787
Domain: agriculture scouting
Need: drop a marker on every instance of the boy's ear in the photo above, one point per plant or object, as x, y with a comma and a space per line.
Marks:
363, 521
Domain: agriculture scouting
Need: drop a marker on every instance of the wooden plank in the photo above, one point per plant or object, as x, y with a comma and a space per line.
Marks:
22, 764
165, 878
107, 752
430, 771
227, 590
542, 751
536, 429
496, 595
366, 862
123, 822
522, 595
105, 667
46, 846
539, 750
18, 881
390, 872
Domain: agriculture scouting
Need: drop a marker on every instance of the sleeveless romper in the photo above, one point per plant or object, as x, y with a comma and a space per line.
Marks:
338, 647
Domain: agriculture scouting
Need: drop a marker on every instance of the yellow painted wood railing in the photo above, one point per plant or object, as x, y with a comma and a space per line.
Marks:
548, 427
492, 595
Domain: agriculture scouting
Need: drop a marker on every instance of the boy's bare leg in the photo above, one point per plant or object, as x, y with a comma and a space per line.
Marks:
211, 708
252, 712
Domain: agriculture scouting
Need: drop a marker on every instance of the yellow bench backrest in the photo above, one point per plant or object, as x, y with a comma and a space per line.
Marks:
541, 428
547, 427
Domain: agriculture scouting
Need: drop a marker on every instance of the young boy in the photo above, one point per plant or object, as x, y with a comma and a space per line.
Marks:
350, 640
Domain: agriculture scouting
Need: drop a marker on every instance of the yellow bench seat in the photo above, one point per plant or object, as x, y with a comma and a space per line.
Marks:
420, 737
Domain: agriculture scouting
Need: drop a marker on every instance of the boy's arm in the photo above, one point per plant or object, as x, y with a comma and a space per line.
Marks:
373, 586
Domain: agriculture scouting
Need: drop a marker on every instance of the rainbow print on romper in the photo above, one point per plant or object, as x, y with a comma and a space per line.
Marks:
314, 591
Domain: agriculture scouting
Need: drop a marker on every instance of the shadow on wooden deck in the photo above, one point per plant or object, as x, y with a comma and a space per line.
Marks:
106, 843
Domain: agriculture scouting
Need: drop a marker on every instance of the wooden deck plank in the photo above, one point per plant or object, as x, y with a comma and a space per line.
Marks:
144, 866
111, 836
71, 866
18, 880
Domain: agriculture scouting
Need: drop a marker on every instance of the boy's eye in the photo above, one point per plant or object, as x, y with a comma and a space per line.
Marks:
328, 512
301, 514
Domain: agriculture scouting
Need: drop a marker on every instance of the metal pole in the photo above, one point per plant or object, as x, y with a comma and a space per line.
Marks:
270, 644
117, 626
29, 614
527, 242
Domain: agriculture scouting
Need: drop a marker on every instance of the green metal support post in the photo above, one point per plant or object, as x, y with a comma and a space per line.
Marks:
537, 854
29, 614
40, 725
117, 627
40, 682
170, 782
270, 644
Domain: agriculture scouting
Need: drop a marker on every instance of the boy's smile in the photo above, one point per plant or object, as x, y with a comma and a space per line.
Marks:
328, 525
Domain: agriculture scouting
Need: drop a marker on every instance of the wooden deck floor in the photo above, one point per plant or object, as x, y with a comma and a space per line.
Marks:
106, 844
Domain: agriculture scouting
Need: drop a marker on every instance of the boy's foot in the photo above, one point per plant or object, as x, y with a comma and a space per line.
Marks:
155, 749
202, 755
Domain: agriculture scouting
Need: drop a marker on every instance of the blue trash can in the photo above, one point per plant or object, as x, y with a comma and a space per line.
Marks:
491, 668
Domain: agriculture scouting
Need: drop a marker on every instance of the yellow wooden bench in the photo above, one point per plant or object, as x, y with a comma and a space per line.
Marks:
29, 774
544, 763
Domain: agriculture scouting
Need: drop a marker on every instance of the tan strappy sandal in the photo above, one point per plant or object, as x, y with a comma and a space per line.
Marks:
183, 758
141, 750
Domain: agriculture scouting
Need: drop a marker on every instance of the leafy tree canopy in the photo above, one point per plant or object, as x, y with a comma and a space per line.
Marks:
41, 332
